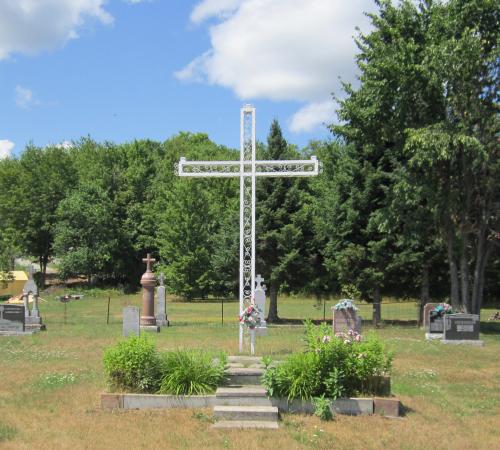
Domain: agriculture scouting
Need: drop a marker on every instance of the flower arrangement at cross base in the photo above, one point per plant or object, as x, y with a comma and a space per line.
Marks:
250, 316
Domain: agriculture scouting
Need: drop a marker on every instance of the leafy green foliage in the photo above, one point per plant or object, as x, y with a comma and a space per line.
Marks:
322, 408
133, 365
190, 372
331, 366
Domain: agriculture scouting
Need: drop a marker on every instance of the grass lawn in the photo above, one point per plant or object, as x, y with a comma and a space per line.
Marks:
51, 381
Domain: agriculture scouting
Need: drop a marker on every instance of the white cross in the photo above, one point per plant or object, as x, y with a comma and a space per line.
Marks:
259, 280
247, 169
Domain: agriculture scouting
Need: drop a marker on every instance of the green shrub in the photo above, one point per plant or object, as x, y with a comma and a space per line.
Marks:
322, 408
133, 365
334, 366
191, 372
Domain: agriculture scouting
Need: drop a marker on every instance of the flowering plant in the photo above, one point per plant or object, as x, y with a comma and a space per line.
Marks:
349, 337
441, 309
345, 304
250, 316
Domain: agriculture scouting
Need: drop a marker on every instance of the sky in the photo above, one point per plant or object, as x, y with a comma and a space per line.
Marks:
119, 70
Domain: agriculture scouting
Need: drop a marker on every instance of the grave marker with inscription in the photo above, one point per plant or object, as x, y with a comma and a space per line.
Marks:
161, 299
461, 329
12, 319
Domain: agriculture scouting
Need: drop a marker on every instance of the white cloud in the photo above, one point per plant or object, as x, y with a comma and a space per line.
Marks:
6, 147
25, 98
310, 116
280, 50
31, 26
214, 8
64, 144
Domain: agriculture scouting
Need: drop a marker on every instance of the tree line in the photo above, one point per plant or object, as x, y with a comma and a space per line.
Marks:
407, 203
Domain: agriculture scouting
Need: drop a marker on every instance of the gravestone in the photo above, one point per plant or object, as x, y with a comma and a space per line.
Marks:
345, 320
12, 320
161, 307
428, 307
148, 282
461, 329
131, 321
260, 302
436, 325
33, 320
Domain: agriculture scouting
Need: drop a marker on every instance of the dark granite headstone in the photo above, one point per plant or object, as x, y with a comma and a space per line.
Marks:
428, 307
11, 318
436, 324
461, 327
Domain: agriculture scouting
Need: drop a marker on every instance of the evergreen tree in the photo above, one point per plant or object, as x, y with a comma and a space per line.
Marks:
282, 225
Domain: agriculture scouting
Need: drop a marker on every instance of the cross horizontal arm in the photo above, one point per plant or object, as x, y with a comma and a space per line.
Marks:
225, 169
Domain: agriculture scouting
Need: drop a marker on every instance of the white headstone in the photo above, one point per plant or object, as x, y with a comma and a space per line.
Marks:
260, 302
131, 318
161, 307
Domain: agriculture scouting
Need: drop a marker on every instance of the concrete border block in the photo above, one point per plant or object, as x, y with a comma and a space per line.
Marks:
111, 401
388, 407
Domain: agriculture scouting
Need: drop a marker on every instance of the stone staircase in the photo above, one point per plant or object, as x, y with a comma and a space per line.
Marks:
243, 403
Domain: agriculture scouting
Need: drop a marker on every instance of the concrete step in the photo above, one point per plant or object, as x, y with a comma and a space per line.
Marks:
234, 366
244, 359
246, 412
241, 391
257, 424
244, 375
242, 395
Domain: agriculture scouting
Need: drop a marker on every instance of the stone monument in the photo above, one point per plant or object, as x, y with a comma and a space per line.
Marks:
345, 317
148, 282
131, 321
260, 303
33, 321
428, 307
461, 329
161, 307
12, 320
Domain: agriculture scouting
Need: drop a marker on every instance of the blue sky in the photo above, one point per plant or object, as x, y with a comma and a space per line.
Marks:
124, 69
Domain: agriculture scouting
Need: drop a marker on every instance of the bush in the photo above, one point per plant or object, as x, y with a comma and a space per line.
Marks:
297, 377
191, 372
322, 408
334, 366
133, 365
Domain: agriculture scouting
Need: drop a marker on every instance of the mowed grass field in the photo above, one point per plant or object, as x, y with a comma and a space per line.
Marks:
50, 384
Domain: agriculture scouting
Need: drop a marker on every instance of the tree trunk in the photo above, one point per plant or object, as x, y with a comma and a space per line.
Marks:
454, 287
424, 293
43, 270
464, 272
273, 302
482, 255
377, 316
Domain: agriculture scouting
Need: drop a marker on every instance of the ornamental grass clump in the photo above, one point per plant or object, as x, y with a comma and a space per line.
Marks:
334, 366
191, 372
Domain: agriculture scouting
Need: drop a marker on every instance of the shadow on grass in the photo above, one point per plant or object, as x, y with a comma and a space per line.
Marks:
404, 410
490, 327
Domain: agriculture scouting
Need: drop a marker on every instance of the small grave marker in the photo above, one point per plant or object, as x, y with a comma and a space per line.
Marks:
131, 321
12, 319
345, 319
161, 307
